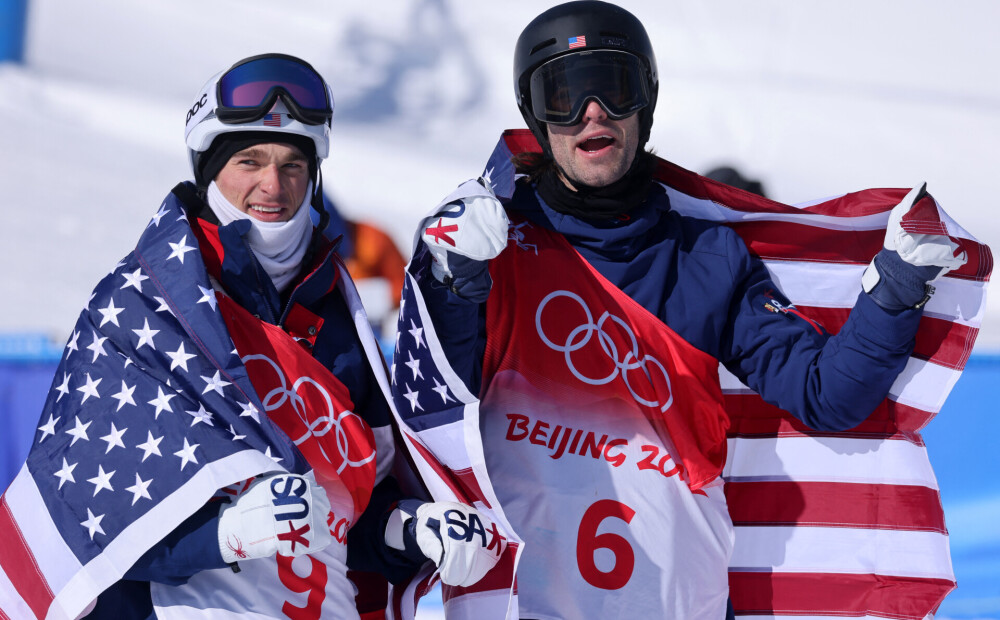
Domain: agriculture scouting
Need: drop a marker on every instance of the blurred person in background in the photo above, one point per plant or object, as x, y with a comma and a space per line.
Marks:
733, 177
375, 264
586, 317
218, 439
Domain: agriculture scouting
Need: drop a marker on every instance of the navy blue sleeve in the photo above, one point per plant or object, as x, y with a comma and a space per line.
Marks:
829, 382
460, 324
192, 547
366, 547
127, 600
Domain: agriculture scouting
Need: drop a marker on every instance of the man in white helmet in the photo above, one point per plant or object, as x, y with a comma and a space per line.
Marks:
251, 417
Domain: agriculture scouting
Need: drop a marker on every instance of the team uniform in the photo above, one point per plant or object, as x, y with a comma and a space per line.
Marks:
313, 380
577, 302
590, 329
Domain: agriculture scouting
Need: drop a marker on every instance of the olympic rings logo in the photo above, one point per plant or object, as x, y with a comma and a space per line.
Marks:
581, 335
318, 427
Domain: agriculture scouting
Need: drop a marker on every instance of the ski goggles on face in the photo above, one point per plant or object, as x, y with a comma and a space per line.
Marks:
249, 90
561, 88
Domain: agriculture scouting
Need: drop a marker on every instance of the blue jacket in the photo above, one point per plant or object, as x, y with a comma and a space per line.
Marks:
701, 280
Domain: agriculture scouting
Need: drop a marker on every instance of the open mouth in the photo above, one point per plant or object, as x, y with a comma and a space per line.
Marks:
592, 145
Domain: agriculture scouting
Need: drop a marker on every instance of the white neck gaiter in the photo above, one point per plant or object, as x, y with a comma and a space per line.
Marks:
279, 246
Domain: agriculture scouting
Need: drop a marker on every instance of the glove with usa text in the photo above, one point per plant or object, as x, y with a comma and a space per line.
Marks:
462, 542
279, 513
899, 276
465, 231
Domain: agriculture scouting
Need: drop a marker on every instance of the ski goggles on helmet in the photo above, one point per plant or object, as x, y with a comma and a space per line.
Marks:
249, 89
561, 88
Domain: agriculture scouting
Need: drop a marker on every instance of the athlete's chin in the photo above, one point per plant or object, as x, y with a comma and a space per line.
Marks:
600, 177
599, 170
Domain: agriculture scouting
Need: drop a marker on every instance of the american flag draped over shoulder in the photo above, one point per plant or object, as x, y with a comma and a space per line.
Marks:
150, 413
843, 524
438, 419
827, 524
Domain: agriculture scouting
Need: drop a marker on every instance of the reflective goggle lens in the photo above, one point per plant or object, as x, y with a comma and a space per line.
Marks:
249, 90
561, 87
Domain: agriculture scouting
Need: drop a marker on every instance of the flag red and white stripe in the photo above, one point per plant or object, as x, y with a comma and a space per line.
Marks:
843, 524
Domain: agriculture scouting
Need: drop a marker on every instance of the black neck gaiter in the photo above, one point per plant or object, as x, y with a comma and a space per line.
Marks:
598, 203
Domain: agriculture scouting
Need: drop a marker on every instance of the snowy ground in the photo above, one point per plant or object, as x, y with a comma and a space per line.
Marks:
814, 98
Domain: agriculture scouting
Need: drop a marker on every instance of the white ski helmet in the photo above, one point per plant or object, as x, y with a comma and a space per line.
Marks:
266, 93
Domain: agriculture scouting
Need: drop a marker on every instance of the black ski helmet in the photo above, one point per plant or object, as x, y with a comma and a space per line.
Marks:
557, 32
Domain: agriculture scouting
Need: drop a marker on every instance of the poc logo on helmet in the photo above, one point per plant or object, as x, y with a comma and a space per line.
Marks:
196, 107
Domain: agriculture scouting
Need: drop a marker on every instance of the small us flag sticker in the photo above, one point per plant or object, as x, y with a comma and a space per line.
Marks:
579, 41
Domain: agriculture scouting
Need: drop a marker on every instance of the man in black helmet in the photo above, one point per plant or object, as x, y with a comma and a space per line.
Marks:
584, 306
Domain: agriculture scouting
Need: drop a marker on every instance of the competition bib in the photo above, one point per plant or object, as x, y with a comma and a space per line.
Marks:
605, 438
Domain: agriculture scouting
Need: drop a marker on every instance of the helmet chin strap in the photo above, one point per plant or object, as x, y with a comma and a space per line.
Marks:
317, 201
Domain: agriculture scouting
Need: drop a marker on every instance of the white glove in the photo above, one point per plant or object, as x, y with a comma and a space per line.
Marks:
898, 275
467, 229
462, 542
921, 250
279, 513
